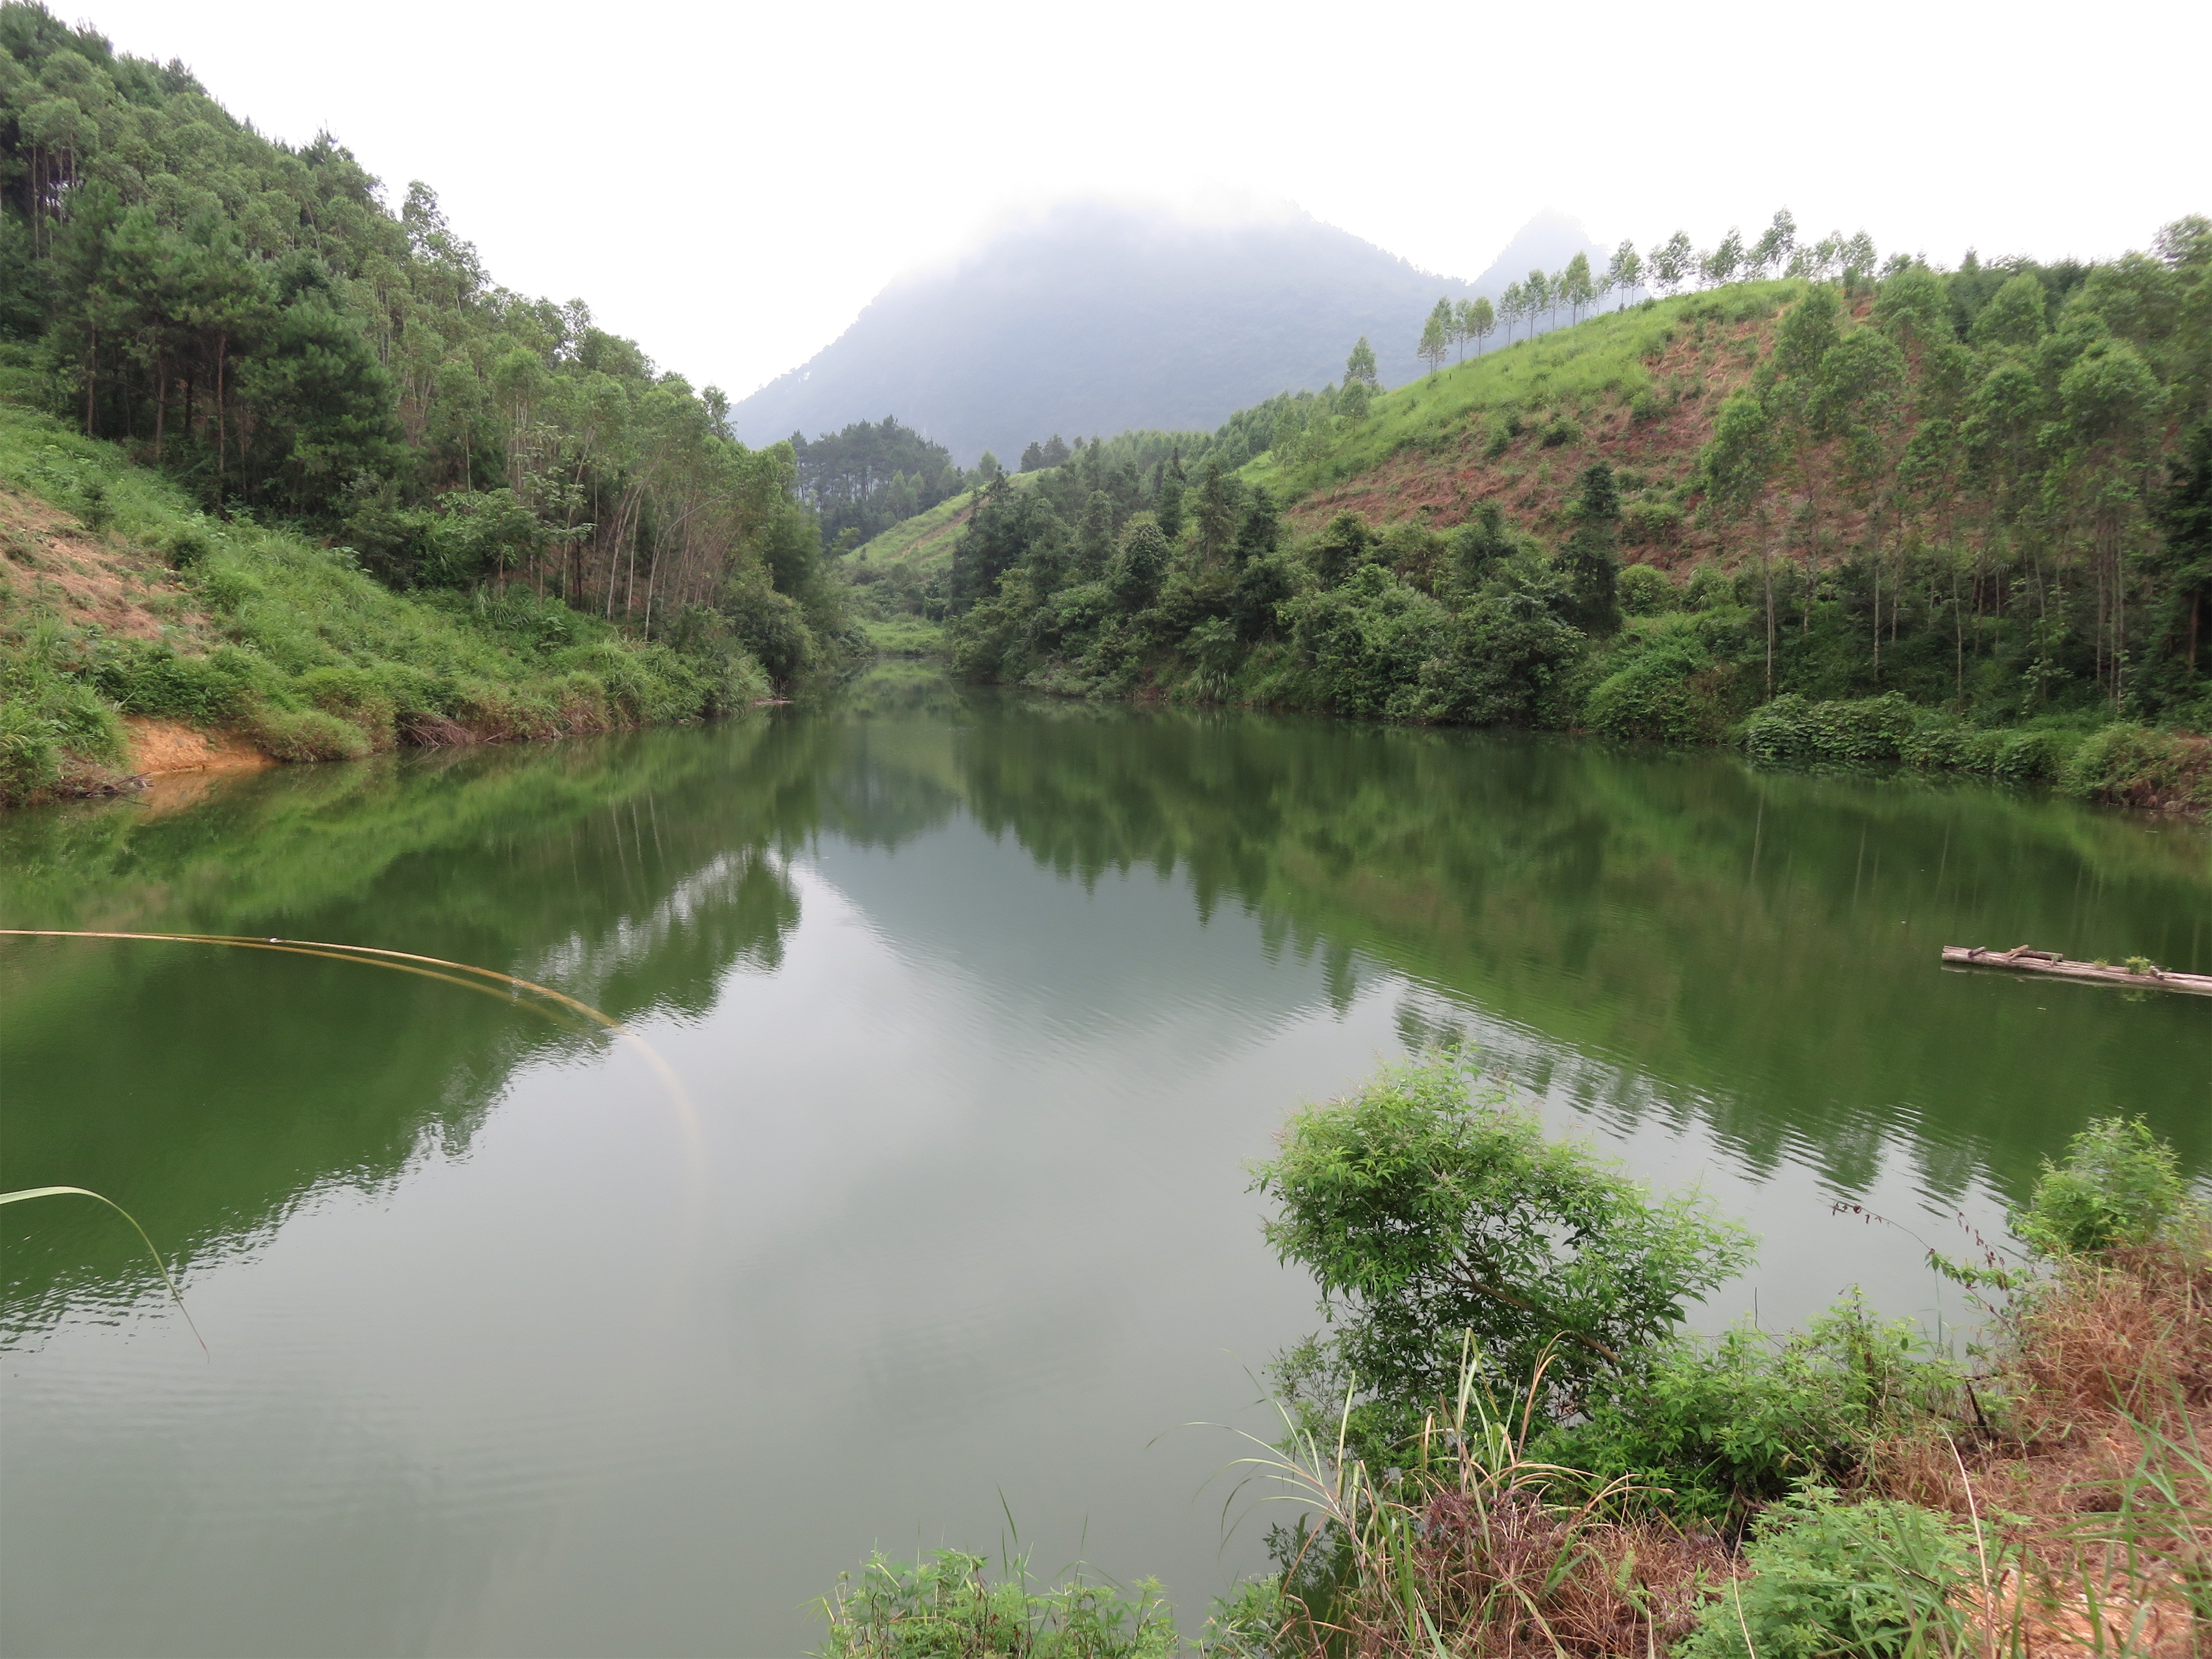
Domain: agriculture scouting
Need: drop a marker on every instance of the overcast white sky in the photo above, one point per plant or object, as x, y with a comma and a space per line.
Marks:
731, 183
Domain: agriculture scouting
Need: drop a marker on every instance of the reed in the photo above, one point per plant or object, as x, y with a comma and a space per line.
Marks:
162, 1266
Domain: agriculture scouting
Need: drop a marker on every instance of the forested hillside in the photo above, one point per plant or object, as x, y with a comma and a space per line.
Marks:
1962, 517
253, 321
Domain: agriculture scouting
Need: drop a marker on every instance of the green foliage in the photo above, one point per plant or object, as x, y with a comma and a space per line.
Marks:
1365, 642
1589, 559
310, 657
49, 717
2118, 1185
1669, 690
1714, 1428
1139, 566
1873, 1580
250, 318
2140, 766
1425, 1215
946, 1609
1645, 591
1863, 730
770, 626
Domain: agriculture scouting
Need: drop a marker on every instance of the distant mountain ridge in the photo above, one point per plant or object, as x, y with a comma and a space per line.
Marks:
1096, 318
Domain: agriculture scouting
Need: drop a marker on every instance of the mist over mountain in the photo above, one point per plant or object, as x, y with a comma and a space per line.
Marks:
1093, 318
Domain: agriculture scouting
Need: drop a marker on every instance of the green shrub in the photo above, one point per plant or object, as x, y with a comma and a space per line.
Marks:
2035, 756
1858, 731
48, 718
1363, 643
1871, 1581
2118, 1186
1709, 1428
1388, 1195
1644, 589
1708, 586
1651, 520
1561, 430
2137, 766
772, 629
1667, 692
945, 1608
1942, 742
1505, 658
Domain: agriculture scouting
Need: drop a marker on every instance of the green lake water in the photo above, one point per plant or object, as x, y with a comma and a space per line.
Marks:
978, 1009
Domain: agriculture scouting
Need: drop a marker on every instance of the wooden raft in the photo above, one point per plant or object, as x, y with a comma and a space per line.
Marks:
2050, 961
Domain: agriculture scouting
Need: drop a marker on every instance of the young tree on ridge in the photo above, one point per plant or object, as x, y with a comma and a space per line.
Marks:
1435, 335
1576, 286
1671, 263
1514, 308
1720, 266
1478, 320
1360, 365
1538, 291
1626, 271
1775, 244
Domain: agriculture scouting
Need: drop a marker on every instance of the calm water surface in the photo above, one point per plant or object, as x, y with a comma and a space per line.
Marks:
980, 1008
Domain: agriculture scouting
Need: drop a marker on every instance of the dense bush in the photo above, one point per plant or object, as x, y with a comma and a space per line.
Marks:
2118, 1186
1669, 690
2140, 767
1365, 642
1860, 731
1430, 1219
1874, 1580
1714, 1428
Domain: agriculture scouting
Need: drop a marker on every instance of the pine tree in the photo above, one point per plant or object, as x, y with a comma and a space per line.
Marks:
1590, 561
1094, 537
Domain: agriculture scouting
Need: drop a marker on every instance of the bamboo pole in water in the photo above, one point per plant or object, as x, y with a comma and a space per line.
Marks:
2023, 960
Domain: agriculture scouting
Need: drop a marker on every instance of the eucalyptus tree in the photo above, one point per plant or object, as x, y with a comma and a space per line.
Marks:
1540, 296
1719, 266
1436, 336
1775, 245
1671, 263
1577, 284
1478, 320
1625, 272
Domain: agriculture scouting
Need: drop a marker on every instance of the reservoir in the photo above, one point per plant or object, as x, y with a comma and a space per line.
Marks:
916, 1214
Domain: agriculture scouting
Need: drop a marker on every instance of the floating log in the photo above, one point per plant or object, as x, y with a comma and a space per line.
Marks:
2024, 960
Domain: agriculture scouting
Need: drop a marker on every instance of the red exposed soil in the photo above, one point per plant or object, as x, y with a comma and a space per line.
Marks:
48, 560
1531, 485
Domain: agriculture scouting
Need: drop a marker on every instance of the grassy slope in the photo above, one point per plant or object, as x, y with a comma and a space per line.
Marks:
921, 542
1637, 387
117, 596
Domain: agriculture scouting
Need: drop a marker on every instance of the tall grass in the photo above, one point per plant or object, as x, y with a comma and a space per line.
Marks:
1472, 1545
946, 1607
